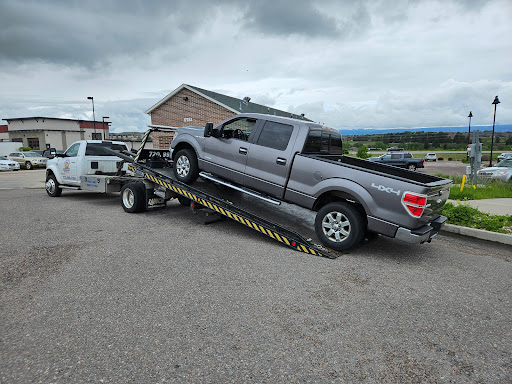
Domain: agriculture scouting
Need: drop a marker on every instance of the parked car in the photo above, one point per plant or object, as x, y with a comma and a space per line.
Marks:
8, 165
29, 160
504, 156
430, 157
501, 171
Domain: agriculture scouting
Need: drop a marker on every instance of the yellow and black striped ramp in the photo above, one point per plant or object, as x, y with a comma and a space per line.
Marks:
276, 232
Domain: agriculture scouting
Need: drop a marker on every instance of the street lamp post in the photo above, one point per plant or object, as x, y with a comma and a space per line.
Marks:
104, 135
469, 132
495, 102
93, 116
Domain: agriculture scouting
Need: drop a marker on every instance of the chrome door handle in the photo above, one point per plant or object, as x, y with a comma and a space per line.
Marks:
281, 161
242, 151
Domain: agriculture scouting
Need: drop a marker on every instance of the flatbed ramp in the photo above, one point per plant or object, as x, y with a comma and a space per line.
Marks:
237, 210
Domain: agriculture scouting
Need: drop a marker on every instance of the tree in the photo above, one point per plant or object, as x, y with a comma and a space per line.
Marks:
362, 152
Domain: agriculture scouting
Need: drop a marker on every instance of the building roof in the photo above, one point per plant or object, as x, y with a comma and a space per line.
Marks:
49, 118
231, 103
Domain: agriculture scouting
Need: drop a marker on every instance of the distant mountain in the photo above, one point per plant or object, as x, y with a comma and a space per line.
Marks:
379, 131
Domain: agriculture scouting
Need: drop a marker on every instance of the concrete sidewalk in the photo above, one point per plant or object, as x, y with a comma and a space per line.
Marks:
491, 206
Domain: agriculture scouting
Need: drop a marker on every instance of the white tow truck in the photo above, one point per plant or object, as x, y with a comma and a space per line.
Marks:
85, 165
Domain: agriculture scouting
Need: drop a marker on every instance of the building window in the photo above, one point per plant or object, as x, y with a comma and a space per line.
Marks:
96, 136
33, 142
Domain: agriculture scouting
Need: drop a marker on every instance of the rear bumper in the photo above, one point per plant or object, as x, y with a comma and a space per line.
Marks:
422, 234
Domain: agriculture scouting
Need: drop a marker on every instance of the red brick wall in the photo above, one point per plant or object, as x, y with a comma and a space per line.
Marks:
174, 111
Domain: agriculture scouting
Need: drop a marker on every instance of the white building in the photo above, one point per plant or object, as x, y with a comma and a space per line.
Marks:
46, 132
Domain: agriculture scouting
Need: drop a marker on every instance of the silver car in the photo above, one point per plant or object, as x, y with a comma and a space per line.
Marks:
29, 160
504, 156
501, 171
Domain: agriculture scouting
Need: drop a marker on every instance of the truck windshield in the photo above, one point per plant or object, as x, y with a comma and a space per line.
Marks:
323, 141
98, 149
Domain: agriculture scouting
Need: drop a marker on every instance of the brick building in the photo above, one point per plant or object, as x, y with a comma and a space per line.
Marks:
192, 106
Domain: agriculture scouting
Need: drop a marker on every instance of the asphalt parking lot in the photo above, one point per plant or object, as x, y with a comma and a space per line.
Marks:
90, 293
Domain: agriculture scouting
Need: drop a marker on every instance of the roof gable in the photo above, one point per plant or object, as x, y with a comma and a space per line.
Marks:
231, 103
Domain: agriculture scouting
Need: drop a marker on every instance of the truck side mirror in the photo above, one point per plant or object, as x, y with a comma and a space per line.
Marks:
208, 128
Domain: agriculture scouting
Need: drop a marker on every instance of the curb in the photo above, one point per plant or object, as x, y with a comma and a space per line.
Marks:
478, 233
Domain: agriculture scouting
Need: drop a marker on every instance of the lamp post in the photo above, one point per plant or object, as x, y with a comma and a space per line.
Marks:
93, 117
469, 132
495, 102
104, 135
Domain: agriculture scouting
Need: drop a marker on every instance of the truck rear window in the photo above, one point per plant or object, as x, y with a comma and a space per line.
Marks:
323, 141
98, 149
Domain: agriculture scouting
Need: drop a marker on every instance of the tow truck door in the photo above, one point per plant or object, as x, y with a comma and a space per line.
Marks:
67, 166
269, 158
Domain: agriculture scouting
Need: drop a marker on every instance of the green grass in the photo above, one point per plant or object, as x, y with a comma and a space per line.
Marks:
491, 190
470, 217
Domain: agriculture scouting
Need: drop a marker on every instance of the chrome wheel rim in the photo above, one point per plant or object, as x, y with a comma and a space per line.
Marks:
183, 166
336, 227
128, 198
50, 186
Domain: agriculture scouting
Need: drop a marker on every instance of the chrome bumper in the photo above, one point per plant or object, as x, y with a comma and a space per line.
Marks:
422, 234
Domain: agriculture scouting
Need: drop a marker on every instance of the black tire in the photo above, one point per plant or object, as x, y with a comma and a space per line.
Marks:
186, 169
411, 167
184, 201
52, 186
28, 165
133, 197
339, 225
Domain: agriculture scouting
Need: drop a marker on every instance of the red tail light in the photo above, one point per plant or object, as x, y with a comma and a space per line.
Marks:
414, 203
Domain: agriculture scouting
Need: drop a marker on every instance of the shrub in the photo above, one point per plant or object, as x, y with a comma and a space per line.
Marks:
470, 217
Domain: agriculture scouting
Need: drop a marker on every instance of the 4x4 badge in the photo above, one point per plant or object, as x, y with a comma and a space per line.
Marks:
386, 189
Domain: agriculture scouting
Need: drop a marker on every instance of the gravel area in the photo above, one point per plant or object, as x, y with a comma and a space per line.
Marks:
89, 293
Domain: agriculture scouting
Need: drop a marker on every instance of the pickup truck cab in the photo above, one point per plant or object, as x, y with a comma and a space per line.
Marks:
399, 159
301, 162
84, 157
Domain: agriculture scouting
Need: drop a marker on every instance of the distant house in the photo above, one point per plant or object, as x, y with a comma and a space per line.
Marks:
188, 105
44, 132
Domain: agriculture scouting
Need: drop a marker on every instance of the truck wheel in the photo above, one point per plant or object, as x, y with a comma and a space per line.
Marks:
52, 186
133, 197
184, 201
339, 225
28, 165
411, 167
185, 166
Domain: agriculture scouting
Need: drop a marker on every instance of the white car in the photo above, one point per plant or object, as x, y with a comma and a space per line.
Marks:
501, 171
430, 157
504, 156
8, 165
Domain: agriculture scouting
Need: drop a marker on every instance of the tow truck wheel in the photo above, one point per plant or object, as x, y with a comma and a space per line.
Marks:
52, 186
186, 169
339, 225
133, 197
411, 167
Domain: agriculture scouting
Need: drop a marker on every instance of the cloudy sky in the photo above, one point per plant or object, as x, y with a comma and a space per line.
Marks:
347, 64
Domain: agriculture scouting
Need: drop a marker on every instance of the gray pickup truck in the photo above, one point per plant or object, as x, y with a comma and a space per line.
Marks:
301, 162
399, 159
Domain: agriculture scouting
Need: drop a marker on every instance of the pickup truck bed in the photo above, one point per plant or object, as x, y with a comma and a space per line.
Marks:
384, 169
